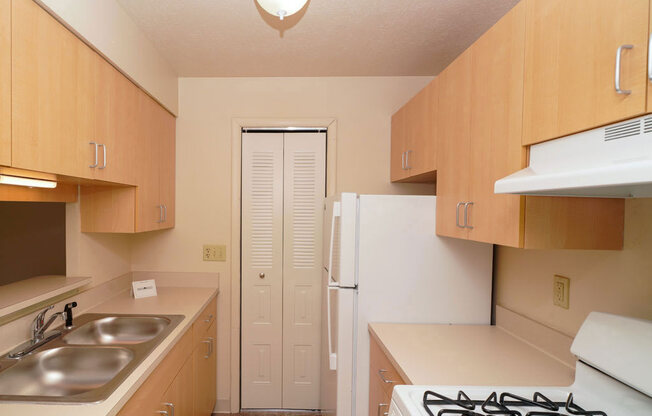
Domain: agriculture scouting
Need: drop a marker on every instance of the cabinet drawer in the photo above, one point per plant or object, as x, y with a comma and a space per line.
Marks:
379, 401
204, 321
382, 370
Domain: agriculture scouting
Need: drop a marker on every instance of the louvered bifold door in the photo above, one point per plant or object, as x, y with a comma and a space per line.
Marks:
304, 190
262, 269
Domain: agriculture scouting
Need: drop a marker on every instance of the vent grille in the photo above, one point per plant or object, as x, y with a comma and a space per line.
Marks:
647, 125
262, 209
304, 210
622, 130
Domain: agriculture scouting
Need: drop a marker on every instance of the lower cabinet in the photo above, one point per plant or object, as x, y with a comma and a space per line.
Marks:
383, 376
205, 373
184, 383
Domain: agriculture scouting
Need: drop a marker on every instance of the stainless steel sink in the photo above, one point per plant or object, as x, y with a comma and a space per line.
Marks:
86, 363
64, 371
117, 330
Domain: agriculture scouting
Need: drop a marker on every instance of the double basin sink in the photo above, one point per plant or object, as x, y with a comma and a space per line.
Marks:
86, 363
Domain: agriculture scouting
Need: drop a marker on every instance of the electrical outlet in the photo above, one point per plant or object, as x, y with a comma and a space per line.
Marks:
561, 291
213, 252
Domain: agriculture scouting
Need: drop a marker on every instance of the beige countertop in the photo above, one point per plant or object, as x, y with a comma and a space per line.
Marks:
170, 300
467, 355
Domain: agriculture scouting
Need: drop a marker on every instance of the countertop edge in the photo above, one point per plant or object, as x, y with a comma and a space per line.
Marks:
391, 358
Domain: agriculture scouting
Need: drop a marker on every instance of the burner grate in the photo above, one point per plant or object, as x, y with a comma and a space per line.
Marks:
496, 405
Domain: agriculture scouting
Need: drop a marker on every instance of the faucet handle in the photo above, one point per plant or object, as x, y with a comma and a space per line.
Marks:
40, 318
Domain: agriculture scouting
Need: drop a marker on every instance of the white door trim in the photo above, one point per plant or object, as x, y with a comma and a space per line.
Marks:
237, 124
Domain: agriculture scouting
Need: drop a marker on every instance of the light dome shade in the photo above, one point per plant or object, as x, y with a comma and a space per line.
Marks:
282, 8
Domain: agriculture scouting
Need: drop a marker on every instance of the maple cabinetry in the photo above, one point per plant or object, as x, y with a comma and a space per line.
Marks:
480, 129
5, 82
570, 59
413, 149
205, 361
383, 376
69, 112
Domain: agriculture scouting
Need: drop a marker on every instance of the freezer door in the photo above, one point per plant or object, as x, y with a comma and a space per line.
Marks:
338, 349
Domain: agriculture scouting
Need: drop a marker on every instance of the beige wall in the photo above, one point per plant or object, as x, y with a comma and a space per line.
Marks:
100, 256
106, 26
610, 281
362, 107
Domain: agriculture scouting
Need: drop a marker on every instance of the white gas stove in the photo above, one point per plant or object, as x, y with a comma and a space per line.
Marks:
613, 377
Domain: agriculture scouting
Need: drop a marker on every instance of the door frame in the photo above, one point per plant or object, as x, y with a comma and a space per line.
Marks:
237, 124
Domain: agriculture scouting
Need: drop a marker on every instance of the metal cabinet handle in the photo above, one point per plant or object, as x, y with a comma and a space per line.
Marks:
381, 373
94, 165
457, 214
209, 319
165, 213
407, 159
380, 406
103, 146
209, 342
403, 160
162, 412
466, 215
171, 407
617, 72
160, 214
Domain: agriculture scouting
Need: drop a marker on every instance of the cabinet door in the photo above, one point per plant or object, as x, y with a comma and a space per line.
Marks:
149, 211
421, 140
166, 126
453, 148
378, 400
178, 398
399, 139
496, 126
116, 109
5, 82
205, 374
52, 95
570, 58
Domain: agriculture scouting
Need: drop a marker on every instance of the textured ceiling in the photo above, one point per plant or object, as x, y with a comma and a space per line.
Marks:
231, 38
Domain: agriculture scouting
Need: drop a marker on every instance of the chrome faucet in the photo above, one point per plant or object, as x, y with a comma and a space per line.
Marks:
39, 326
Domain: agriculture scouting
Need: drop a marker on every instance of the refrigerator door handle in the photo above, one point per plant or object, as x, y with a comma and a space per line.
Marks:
332, 356
330, 285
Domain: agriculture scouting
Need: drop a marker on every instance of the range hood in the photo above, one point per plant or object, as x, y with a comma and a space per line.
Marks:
614, 161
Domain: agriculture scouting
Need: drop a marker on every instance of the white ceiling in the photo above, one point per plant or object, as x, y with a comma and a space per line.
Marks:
229, 38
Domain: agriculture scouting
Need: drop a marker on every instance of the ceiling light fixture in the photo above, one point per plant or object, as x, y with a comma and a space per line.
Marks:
32, 183
282, 8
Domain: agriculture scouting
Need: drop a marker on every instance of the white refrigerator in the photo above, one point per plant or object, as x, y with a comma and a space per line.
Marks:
384, 263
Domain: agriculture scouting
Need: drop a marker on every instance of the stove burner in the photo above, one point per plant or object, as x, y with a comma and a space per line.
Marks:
500, 405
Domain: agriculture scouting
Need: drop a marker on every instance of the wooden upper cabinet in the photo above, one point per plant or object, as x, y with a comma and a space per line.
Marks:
496, 120
166, 165
5, 82
479, 126
52, 95
453, 121
149, 213
413, 153
570, 61
399, 144
116, 120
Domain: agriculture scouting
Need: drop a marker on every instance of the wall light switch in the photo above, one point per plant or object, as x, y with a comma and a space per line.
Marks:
561, 291
214, 252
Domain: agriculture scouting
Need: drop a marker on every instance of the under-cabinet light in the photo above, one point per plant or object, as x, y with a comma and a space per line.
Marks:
32, 183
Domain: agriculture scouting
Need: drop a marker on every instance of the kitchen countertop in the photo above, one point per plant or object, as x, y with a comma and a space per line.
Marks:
467, 355
170, 301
